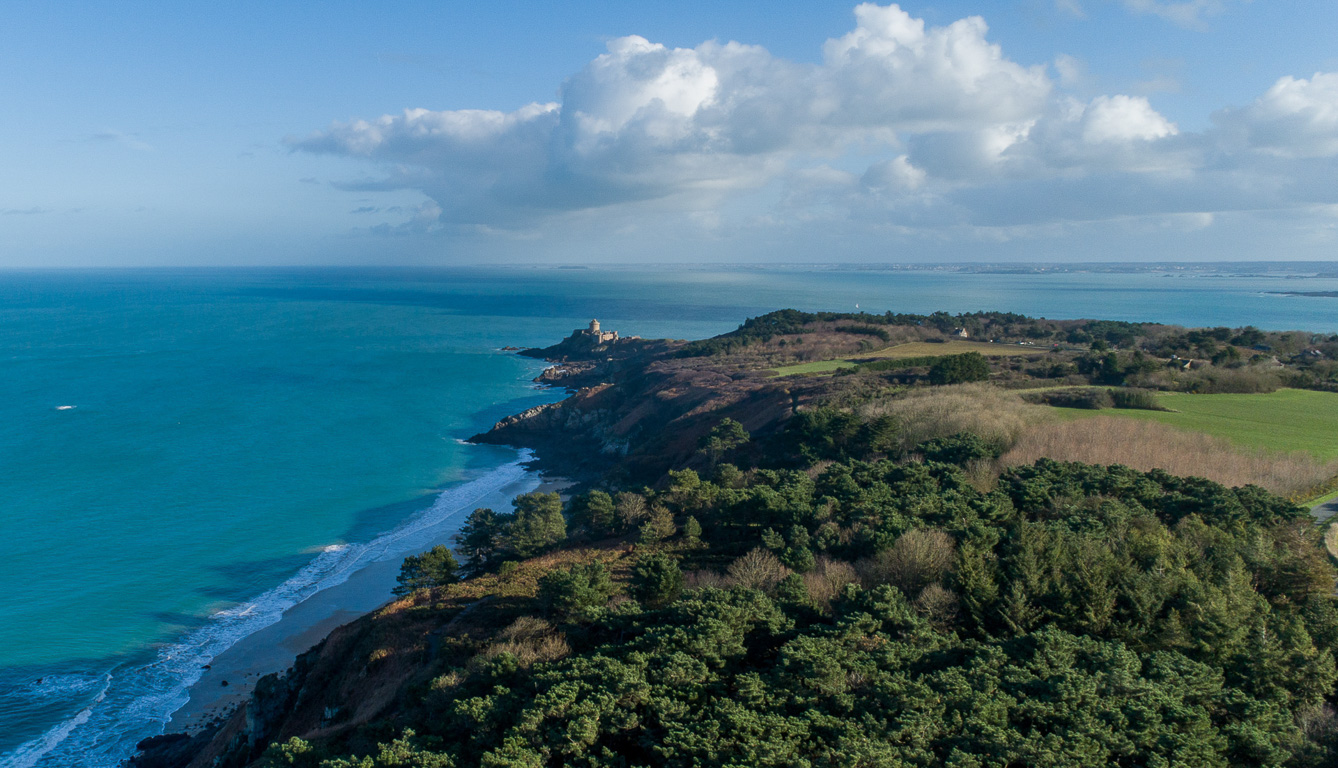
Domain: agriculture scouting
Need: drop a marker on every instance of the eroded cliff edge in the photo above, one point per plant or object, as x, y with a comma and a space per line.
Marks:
637, 406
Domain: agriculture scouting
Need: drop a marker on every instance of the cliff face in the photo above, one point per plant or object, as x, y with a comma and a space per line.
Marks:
362, 671
353, 676
637, 407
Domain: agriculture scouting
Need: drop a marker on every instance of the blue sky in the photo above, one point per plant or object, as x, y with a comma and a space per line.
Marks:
277, 133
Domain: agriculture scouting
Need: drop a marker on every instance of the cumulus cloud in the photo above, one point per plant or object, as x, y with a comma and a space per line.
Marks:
1295, 118
1124, 119
902, 126
647, 122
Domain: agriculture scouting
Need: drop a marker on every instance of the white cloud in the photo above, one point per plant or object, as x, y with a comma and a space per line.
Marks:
892, 72
902, 127
1294, 118
1124, 119
685, 126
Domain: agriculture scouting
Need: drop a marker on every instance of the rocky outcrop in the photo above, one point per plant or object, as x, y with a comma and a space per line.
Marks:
636, 408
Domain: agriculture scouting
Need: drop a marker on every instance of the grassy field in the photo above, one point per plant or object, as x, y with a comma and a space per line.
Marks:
1286, 420
927, 349
913, 349
820, 366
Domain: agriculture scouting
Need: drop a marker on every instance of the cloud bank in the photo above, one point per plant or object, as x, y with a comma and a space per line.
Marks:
902, 130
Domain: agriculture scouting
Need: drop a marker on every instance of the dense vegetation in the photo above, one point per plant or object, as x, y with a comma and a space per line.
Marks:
1101, 352
832, 607
886, 567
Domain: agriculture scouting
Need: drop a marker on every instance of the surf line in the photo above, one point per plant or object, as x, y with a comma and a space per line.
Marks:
138, 702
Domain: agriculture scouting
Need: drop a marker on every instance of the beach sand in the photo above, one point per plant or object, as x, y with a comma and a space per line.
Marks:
274, 648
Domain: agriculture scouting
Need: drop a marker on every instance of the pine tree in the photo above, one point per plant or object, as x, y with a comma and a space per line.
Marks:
538, 524
656, 579
433, 568
479, 540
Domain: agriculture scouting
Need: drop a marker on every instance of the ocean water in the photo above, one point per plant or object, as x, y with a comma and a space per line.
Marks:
184, 454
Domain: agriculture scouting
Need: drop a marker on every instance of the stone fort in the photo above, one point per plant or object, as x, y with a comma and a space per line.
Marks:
594, 334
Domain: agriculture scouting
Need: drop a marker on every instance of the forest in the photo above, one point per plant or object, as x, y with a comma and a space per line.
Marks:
829, 606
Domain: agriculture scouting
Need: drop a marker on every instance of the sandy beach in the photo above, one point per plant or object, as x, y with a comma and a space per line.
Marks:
233, 674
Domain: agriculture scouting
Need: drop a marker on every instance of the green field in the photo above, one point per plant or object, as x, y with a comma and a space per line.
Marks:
955, 347
912, 349
1286, 420
821, 366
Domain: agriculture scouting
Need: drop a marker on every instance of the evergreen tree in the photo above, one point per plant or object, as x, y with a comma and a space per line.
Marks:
567, 593
596, 513
433, 568
725, 437
959, 369
656, 579
538, 524
480, 539
692, 531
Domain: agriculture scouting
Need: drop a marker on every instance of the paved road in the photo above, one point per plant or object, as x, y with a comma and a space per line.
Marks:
1323, 512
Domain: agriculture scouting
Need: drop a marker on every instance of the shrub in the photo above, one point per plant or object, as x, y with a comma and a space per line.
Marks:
959, 369
529, 640
899, 363
1140, 399
433, 568
577, 589
1249, 380
656, 579
960, 449
864, 330
1086, 399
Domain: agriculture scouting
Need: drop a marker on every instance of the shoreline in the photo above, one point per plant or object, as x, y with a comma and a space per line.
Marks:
230, 676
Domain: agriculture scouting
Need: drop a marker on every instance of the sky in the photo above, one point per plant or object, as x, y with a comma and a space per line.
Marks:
282, 133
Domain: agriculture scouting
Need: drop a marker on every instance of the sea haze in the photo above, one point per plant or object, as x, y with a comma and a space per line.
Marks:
177, 444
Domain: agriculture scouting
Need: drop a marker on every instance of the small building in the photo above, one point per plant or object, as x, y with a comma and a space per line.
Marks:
960, 333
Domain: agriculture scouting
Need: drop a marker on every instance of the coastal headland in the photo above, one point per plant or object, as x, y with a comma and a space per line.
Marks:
793, 466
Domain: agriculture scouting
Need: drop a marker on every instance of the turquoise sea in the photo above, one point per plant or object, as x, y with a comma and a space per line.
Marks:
184, 454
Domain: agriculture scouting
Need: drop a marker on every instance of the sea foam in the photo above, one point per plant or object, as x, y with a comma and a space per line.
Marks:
135, 702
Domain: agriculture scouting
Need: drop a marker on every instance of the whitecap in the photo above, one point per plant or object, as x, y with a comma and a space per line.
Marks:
66, 407
27, 754
137, 702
